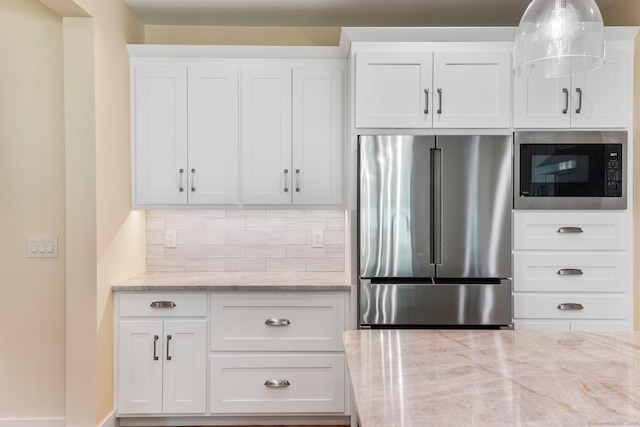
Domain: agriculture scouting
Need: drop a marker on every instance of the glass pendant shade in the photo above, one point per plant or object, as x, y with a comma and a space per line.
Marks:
559, 38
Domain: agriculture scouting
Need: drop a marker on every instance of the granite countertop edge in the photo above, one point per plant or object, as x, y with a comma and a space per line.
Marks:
243, 281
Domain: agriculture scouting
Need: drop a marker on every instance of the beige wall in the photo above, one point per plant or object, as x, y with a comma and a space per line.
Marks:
257, 36
627, 13
32, 291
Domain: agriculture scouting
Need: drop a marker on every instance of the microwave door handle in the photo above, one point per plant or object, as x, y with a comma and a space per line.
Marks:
436, 206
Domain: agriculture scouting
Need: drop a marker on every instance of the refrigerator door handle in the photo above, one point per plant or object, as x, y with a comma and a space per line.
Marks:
436, 206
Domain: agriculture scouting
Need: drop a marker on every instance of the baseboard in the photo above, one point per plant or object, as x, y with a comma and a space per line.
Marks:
31, 422
109, 421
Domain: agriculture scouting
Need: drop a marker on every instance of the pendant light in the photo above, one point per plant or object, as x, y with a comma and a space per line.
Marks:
558, 38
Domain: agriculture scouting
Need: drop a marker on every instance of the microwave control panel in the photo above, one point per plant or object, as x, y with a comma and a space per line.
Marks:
614, 170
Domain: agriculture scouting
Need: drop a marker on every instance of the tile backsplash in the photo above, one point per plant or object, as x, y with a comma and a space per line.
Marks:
245, 240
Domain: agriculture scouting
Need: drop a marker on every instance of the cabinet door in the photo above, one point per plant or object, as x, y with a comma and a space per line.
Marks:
472, 89
266, 136
317, 136
600, 97
393, 89
140, 367
543, 103
213, 135
160, 135
185, 368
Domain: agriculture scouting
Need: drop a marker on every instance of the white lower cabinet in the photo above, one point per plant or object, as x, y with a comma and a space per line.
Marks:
161, 360
571, 271
230, 355
278, 352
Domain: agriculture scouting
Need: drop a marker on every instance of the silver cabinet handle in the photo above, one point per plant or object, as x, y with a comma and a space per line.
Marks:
155, 350
168, 341
426, 101
286, 180
579, 109
297, 180
162, 304
566, 100
277, 383
277, 322
569, 230
193, 180
181, 175
439, 101
570, 272
570, 306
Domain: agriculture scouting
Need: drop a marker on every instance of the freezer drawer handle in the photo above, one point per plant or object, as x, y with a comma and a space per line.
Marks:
566, 100
570, 230
277, 383
570, 306
162, 304
277, 322
570, 272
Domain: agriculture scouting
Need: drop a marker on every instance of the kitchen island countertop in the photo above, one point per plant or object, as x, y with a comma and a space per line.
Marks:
226, 281
494, 378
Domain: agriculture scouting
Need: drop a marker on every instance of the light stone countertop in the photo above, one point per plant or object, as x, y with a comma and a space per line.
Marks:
494, 378
224, 281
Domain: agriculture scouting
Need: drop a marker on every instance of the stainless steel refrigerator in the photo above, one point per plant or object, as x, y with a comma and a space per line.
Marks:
434, 231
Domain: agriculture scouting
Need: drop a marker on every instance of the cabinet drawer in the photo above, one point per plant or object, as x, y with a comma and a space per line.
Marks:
570, 231
309, 383
575, 325
545, 306
167, 304
569, 272
277, 322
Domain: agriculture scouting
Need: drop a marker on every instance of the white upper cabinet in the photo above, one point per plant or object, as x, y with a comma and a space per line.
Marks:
393, 89
213, 135
160, 134
292, 135
597, 99
433, 89
185, 135
472, 90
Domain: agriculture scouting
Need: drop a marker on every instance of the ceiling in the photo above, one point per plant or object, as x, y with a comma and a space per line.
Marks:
337, 13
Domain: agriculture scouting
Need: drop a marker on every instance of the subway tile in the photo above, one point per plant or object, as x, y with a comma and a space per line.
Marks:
185, 224
325, 264
306, 223
225, 224
266, 224
205, 237
286, 237
155, 237
247, 213
165, 264
185, 251
286, 264
245, 264
205, 264
266, 251
225, 251
335, 250
305, 251
334, 237
335, 224
326, 213
206, 213
165, 213
155, 251
155, 224
286, 214
245, 237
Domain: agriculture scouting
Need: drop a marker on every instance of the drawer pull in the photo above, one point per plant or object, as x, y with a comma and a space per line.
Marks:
162, 304
277, 322
570, 272
277, 383
570, 230
570, 306
168, 342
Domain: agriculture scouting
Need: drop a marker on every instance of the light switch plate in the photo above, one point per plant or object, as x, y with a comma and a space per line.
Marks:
170, 239
42, 246
317, 239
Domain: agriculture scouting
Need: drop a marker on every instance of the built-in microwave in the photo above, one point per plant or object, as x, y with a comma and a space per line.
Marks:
570, 170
